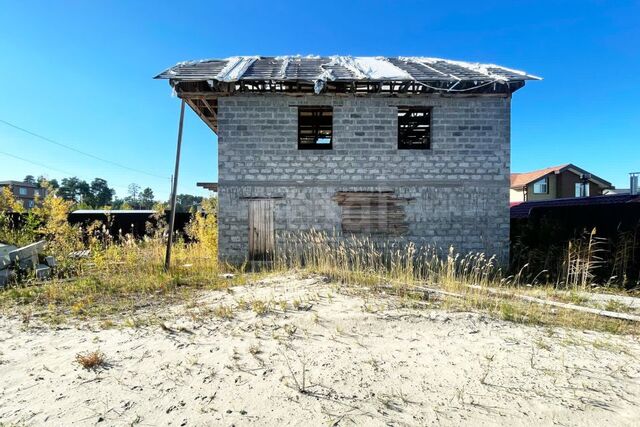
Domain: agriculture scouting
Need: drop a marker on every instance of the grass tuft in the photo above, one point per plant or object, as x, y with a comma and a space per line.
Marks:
91, 360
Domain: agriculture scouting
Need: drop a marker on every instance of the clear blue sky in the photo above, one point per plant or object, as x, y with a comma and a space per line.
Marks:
80, 72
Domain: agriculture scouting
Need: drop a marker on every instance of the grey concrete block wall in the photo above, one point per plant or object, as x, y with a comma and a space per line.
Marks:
460, 186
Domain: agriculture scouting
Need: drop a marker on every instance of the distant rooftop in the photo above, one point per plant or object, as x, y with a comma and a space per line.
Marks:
21, 183
519, 180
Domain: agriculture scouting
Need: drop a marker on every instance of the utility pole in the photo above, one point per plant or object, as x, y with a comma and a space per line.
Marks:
174, 190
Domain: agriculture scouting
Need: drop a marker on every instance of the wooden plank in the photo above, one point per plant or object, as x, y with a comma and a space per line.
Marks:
261, 230
213, 124
372, 212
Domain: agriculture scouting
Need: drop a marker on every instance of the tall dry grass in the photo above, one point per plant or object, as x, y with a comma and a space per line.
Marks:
468, 281
122, 273
119, 272
364, 260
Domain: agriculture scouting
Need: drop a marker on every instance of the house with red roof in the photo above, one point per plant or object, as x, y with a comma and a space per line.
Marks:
556, 182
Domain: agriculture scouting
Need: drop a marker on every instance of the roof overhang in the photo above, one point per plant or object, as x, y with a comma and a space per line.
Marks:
211, 186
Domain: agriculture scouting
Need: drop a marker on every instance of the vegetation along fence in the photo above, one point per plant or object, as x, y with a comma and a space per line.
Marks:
579, 245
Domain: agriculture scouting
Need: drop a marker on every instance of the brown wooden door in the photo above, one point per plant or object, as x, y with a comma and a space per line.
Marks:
261, 230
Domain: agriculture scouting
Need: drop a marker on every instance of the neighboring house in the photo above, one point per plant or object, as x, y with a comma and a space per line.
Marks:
24, 192
399, 149
556, 182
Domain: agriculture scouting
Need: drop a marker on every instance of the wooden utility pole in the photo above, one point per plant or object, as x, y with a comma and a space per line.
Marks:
174, 190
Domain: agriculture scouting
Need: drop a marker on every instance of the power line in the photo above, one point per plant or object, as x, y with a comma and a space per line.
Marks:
48, 167
37, 164
44, 138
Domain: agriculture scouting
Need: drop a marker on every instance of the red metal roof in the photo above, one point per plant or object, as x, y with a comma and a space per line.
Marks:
519, 180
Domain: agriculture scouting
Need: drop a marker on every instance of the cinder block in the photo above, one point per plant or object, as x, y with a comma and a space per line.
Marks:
470, 149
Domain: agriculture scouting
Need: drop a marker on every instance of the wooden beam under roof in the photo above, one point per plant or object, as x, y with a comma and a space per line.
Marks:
212, 122
211, 186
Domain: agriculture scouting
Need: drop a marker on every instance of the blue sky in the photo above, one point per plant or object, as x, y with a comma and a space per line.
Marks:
80, 72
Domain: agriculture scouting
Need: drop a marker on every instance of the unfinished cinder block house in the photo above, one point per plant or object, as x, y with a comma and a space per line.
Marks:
404, 149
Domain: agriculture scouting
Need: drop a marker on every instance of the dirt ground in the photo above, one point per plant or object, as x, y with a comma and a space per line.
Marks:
300, 351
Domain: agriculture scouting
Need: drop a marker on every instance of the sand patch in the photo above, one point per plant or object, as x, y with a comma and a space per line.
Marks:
298, 350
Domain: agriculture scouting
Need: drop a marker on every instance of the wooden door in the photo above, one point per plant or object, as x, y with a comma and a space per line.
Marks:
261, 230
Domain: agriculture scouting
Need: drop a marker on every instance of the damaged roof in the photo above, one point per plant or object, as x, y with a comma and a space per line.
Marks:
200, 83
341, 69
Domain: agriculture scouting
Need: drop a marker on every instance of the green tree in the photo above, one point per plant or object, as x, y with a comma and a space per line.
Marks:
53, 184
146, 198
74, 189
101, 194
117, 203
133, 198
30, 179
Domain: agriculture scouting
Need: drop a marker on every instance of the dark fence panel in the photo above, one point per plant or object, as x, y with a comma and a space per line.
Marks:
134, 223
541, 240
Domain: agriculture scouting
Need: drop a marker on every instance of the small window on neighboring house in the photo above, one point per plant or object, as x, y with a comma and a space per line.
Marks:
30, 204
22, 191
582, 189
315, 128
414, 127
541, 186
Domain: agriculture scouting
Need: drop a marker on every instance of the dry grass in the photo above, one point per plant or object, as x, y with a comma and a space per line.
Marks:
224, 312
91, 360
403, 268
123, 275
120, 275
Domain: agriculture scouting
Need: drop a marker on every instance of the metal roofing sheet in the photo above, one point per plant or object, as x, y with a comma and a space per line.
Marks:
341, 68
523, 210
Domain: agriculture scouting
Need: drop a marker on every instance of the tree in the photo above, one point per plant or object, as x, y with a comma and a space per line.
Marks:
8, 202
146, 198
117, 203
74, 189
49, 185
30, 179
134, 190
52, 183
101, 194
187, 202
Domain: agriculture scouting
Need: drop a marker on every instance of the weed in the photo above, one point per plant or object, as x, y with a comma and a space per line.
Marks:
260, 307
613, 305
242, 304
26, 316
300, 380
224, 312
542, 344
507, 311
290, 329
91, 360
255, 349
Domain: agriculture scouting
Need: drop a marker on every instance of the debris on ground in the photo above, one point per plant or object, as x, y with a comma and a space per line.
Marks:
27, 261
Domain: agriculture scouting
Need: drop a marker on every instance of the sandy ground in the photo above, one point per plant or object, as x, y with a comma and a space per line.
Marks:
328, 358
